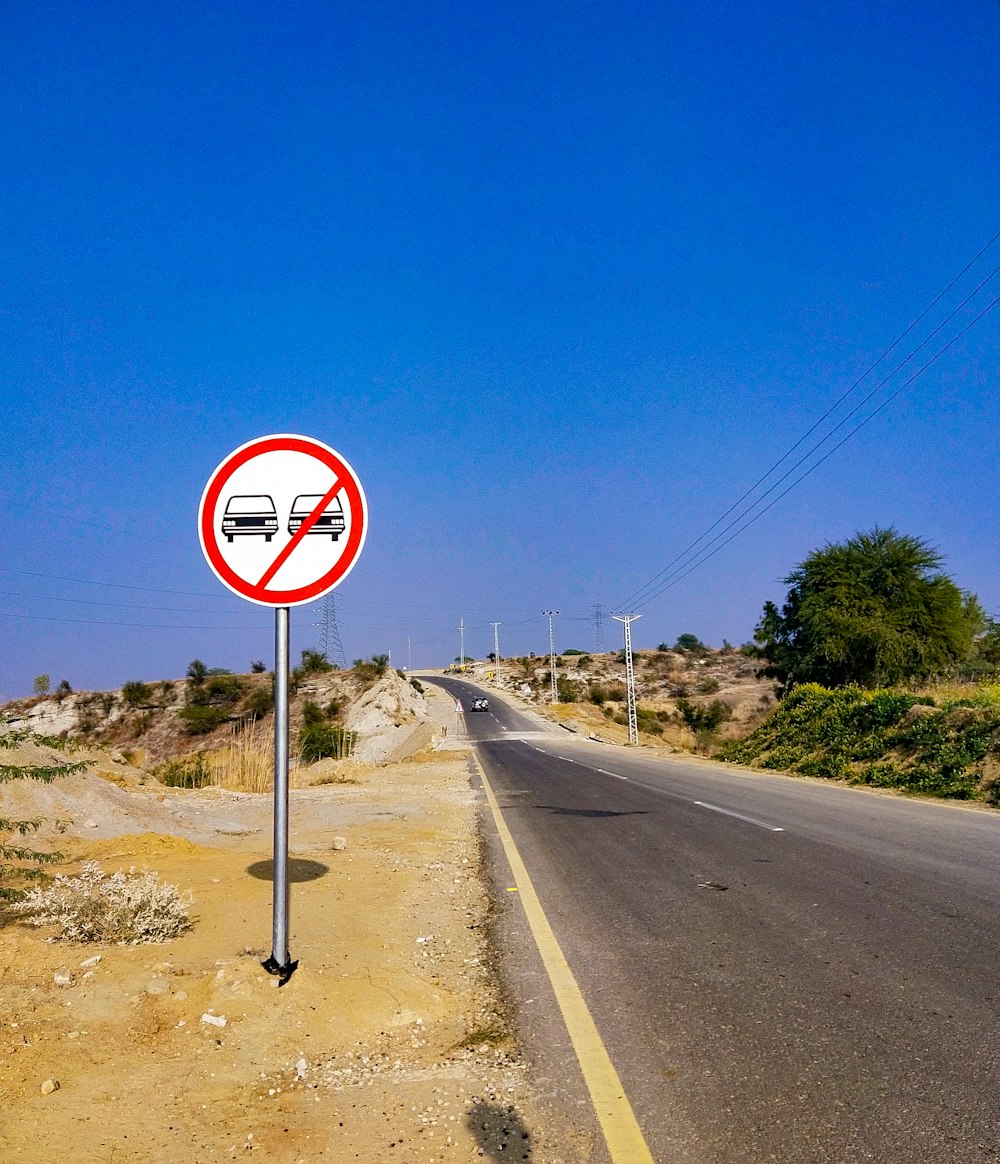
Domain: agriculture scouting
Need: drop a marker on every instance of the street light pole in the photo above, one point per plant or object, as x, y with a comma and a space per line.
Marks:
633, 720
461, 639
550, 614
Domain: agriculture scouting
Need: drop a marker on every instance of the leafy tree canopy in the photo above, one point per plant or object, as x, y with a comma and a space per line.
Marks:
874, 610
689, 642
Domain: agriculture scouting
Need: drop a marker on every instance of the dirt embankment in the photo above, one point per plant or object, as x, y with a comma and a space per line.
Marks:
389, 1042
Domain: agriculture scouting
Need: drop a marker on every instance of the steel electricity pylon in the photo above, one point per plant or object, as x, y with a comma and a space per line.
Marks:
329, 633
550, 614
633, 719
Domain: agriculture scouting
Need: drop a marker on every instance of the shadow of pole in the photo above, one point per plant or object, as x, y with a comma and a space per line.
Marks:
299, 869
499, 1132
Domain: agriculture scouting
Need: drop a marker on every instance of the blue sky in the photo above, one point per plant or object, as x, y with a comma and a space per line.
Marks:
560, 281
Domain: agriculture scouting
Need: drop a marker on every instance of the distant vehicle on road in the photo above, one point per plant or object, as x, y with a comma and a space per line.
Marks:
330, 521
250, 514
480, 705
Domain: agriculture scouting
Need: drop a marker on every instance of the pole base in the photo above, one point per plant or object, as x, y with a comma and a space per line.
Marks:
282, 973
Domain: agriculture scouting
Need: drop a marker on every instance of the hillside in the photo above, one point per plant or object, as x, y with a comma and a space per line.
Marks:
686, 699
368, 713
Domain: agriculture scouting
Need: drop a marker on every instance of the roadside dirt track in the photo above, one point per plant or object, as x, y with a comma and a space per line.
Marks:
388, 1044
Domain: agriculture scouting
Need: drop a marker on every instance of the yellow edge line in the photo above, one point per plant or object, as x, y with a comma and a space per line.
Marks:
614, 1112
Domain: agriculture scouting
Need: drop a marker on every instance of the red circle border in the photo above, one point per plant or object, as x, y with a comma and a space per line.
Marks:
355, 499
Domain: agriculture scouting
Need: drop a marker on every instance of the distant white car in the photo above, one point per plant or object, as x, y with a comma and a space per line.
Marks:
480, 705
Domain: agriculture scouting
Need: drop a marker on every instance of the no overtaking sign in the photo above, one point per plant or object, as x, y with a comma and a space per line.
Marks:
283, 520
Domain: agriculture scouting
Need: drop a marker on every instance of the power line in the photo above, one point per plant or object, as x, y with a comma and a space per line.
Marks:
145, 625
702, 557
123, 605
651, 588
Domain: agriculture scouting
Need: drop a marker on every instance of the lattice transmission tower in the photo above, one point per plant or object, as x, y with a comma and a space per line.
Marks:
329, 633
599, 647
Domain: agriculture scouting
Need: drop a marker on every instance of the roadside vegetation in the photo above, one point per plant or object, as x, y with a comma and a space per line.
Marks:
866, 629
883, 738
21, 864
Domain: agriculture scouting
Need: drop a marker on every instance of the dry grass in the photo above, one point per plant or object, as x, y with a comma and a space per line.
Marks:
246, 762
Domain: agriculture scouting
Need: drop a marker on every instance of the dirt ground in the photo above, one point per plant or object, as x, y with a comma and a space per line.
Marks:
389, 1043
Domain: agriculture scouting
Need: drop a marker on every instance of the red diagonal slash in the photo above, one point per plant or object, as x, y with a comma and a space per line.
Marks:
301, 532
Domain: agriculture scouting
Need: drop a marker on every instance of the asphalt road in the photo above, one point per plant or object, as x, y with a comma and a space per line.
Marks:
781, 969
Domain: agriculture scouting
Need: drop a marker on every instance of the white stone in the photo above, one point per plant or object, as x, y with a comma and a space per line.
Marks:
216, 1020
49, 1086
88, 962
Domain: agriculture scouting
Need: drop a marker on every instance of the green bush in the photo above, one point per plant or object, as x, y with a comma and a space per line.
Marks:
368, 670
190, 771
312, 713
259, 702
314, 662
649, 721
606, 693
136, 694
224, 687
318, 741
567, 690
417, 686
704, 719
200, 719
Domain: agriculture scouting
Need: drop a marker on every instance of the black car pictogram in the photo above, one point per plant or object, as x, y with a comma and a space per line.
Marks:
250, 514
329, 522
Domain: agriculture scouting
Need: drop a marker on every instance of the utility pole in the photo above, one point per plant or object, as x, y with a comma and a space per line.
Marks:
409, 659
461, 640
496, 651
633, 721
550, 614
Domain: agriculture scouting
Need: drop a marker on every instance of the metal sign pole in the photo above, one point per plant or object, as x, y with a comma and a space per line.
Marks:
280, 962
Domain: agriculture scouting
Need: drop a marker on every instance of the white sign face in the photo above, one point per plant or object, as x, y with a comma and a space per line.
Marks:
282, 520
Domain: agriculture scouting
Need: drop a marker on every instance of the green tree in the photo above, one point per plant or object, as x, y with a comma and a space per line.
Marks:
20, 863
689, 642
197, 671
41, 685
874, 610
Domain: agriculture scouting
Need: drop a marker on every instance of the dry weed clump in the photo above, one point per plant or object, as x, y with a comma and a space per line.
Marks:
246, 763
125, 909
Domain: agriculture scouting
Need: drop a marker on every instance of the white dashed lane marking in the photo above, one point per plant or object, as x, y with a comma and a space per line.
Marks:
739, 816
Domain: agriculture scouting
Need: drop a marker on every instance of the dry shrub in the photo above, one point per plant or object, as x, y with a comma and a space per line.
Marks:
125, 909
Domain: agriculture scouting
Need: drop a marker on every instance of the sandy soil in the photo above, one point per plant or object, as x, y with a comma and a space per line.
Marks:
389, 1043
